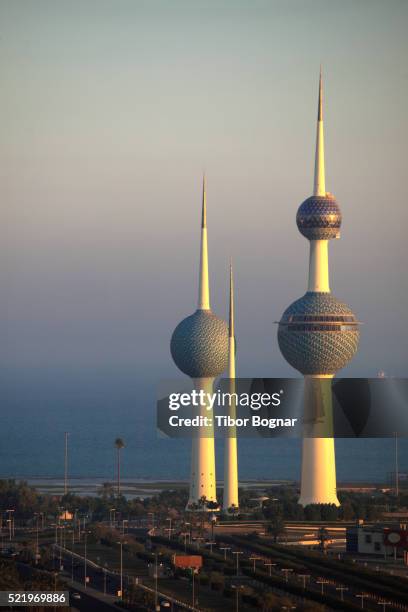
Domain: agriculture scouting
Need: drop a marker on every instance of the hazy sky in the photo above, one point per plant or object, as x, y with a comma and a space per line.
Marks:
110, 110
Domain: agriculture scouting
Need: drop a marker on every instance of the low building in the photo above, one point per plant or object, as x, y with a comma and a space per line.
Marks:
373, 539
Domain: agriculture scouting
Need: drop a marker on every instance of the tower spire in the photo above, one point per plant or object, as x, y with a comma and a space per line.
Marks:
231, 304
319, 176
204, 289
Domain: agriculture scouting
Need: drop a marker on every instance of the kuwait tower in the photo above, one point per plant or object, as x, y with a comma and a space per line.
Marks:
318, 335
199, 347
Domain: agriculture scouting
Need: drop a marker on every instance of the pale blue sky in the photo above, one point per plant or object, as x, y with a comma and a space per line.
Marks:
110, 110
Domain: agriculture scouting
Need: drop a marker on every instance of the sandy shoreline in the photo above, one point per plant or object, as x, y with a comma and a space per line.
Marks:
143, 488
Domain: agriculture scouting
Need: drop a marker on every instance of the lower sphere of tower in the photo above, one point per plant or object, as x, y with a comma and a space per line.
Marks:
318, 334
319, 218
199, 345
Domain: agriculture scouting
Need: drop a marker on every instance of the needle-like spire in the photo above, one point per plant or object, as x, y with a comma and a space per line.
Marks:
204, 289
319, 176
231, 304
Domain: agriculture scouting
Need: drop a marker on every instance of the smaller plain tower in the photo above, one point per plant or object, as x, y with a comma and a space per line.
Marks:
230, 498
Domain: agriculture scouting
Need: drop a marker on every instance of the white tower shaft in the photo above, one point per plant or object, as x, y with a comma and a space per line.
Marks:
204, 287
203, 478
319, 266
318, 479
230, 499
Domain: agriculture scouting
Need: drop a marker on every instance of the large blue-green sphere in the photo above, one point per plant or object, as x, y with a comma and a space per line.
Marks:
319, 218
318, 334
199, 345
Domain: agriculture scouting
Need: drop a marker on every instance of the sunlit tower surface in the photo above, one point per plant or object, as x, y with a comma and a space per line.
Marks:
199, 347
317, 334
230, 498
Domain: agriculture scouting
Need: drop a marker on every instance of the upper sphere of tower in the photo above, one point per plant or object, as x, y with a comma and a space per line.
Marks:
319, 218
199, 345
318, 334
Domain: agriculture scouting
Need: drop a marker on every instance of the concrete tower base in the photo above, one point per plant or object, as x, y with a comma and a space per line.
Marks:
318, 484
203, 480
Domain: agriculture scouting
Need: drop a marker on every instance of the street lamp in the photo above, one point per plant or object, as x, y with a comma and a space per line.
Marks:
36, 539
185, 535
169, 529
225, 548
341, 589
85, 558
304, 578
255, 559
213, 519
237, 553
362, 596
10, 521
72, 553
322, 581
156, 594
270, 565
210, 544
152, 515
384, 603
237, 587
286, 571
121, 543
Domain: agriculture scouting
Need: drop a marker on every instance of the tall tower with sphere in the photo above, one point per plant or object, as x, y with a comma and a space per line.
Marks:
199, 347
317, 334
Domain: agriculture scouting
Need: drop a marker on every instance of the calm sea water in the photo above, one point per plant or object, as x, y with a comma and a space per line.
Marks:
97, 406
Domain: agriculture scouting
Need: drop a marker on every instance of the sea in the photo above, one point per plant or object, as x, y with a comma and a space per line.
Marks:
97, 405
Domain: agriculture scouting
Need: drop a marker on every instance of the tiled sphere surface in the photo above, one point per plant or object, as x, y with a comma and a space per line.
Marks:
319, 218
199, 345
318, 334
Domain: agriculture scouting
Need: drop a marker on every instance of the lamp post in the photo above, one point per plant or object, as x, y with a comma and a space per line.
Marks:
156, 594
322, 581
237, 553
384, 603
362, 596
72, 553
225, 548
304, 578
121, 543
169, 529
36, 540
104, 580
10, 521
60, 548
254, 559
85, 559
213, 520
286, 571
270, 565
185, 535
237, 587
342, 589
211, 544
152, 515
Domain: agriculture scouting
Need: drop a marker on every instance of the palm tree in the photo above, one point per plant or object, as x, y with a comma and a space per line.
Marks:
119, 444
